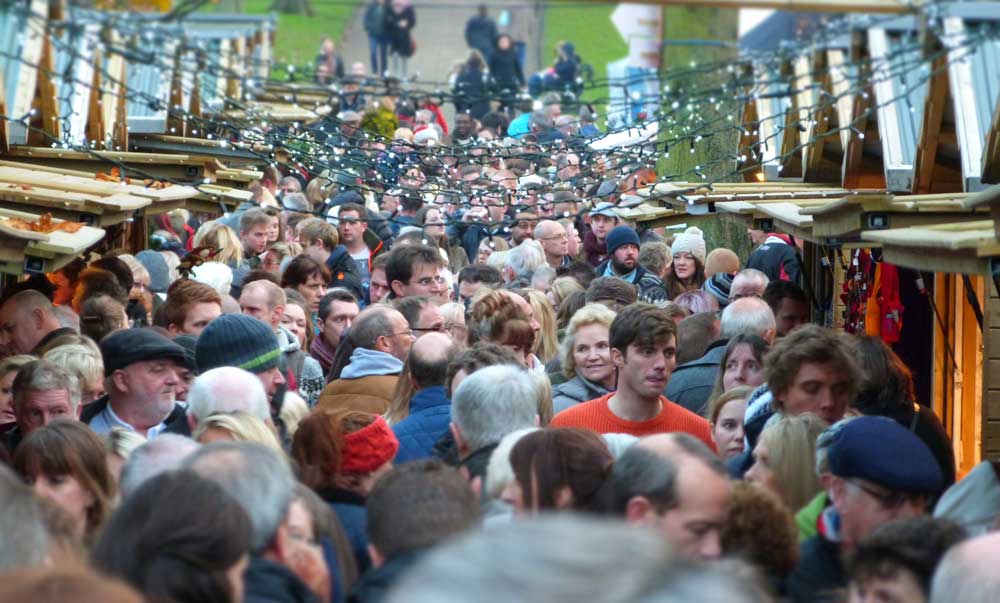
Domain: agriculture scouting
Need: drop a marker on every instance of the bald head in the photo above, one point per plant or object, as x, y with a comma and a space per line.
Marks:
748, 283
429, 359
968, 572
548, 228
263, 300
25, 318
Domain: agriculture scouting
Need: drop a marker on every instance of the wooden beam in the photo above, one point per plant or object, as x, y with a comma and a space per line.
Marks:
938, 99
991, 151
45, 102
815, 6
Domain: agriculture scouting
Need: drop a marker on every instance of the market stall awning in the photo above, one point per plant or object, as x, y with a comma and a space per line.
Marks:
49, 248
186, 168
845, 218
81, 196
963, 248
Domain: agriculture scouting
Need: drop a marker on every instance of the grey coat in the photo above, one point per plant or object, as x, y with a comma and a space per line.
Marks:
692, 382
575, 391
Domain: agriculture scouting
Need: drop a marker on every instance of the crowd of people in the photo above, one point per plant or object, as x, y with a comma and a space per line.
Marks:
466, 380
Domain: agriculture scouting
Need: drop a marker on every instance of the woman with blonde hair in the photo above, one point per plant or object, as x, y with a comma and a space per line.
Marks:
454, 322
278, 255
586, 358
236, 426
561, 288
546, 342
785, 459
221, 238
121, 443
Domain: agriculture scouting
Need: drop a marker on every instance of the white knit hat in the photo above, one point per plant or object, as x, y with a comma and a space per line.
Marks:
690, 241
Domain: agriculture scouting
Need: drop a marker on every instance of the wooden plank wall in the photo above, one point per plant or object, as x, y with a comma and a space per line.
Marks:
991, 377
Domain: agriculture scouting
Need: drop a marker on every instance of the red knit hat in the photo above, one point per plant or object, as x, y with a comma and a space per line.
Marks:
368, 448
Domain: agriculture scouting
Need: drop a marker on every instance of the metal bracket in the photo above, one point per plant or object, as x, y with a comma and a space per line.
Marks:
878, 221
34, 265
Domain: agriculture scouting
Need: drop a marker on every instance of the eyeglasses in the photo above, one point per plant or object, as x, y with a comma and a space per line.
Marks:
436, 329
407, 332
886, 499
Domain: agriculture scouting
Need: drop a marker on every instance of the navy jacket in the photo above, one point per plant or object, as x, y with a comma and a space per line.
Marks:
430, 415
268, 582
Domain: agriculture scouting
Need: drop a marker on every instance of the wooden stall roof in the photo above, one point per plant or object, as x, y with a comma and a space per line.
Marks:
986, 198
950, 247
653, 216
80, 196
25, 251
682, 195
845, 218
775, 214
233, 154
279, 112
184, 167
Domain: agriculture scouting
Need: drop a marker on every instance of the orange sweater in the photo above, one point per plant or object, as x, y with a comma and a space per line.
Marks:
597, 416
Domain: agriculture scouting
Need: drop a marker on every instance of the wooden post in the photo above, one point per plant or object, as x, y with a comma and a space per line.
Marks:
938, 99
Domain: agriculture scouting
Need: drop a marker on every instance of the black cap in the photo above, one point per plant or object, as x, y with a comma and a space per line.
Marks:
122, 348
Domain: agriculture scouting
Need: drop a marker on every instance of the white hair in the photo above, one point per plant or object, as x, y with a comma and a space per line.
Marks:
214, 274
256, 476
499, 471
524, 259
492, 402
967, 572
227, 389
749, 275
567, 557
157, 456
747, 316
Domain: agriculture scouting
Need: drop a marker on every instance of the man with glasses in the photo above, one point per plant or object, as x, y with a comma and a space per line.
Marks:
416, 270
555, 243
381, 338
422, 314
880, 472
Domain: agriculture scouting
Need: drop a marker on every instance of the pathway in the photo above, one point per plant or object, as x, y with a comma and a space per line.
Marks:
440, 36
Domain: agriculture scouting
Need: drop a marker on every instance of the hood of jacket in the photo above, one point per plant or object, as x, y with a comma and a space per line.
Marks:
429, 397
972, 502
365, 363
287, 342
579, 390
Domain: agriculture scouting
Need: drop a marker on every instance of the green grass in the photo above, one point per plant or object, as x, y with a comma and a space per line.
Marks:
596, 39
298, 37
685, 23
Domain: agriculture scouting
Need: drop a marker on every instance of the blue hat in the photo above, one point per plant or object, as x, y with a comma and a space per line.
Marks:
621, 235
719, 286
884, 452
237, 340
156, 265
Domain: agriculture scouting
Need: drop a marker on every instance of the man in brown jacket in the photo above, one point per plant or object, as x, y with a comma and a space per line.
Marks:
381, 338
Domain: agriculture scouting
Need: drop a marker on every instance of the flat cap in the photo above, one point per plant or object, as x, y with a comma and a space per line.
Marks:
882, 451
128, 346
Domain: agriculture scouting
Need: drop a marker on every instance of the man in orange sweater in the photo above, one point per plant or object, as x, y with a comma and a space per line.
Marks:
643, 343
